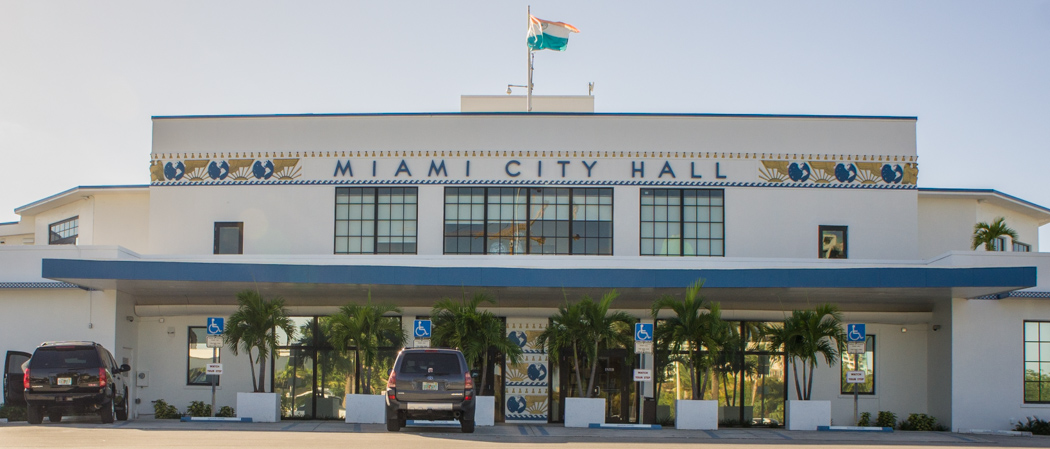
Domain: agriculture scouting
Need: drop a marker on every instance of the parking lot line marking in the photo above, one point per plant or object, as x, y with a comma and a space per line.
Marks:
781, 435
521, 429
357, 427
289, 426
542, 430
712, 434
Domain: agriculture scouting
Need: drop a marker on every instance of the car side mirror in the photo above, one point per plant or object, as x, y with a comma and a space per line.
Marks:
125, 368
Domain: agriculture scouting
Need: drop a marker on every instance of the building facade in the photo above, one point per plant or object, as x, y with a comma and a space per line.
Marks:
774, 213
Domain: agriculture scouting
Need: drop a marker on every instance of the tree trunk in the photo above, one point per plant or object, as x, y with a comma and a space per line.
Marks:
695, 378
484, 372
251, 363
594, 370
812, 368
576, 369
262, 372
794, 371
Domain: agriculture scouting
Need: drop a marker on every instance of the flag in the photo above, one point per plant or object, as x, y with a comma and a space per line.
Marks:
546, 35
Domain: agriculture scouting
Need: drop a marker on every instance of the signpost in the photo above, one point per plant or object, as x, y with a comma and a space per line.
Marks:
856, 344
643, 344
214, 369
421, 332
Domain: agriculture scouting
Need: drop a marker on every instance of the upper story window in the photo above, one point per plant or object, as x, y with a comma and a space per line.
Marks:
521, 220
64, 232
375, 220
999, 244
682, 222
832, 243
1022, 247
229, 238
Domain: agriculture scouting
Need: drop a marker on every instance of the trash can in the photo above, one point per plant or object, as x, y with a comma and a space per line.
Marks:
649, 411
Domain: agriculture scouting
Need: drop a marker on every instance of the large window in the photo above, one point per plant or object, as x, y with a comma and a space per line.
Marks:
519, 220
64, 232
229, 238
1022, 247
370, 220
682, 222
198, 356
1037, 361
860, 362
832, 242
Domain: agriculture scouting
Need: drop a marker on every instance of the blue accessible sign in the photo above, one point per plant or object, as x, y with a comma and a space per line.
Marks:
421, 328
643, 332
855, 332
215, 325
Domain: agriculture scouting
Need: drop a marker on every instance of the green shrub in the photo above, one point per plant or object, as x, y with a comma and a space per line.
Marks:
919, 421
226, 412
161, 410
865, 419
886, 419
13, 412
1034, 425
198, 409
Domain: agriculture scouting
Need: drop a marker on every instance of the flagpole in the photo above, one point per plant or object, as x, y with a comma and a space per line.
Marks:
528, 88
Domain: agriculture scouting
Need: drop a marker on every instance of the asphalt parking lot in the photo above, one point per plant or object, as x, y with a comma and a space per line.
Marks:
84, 432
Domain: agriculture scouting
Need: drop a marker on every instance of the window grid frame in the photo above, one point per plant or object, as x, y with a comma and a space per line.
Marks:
833, 228
189, 359
376, 221
63, 231
540, 192
219, 225
682, 223
1019, 247
1040, 360
869, 342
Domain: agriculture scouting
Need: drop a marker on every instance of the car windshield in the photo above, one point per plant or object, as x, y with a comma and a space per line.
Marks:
442, 363
64, 357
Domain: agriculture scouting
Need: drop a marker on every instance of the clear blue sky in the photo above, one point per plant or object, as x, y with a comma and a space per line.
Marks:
79, 80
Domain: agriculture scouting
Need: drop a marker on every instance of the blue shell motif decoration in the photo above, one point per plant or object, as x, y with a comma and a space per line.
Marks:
174, 171
262, 171
892, 174
537, 371
844, 174
516, 404
218, 171
799, 173
519, 338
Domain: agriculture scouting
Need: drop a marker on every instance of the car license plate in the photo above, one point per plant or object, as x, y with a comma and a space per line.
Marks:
430, 386
65, 381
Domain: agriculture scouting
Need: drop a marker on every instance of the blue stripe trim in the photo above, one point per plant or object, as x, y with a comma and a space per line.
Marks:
534, 114
540, 183
918, 277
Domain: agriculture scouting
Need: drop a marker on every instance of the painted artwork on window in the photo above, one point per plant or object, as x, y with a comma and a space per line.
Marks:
832, 242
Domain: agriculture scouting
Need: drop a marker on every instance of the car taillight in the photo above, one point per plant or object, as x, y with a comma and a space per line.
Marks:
25, 380
468, 386
391, 384
102, 379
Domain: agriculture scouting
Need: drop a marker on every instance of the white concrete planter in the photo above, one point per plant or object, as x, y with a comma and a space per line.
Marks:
260, 407
365, 408
696, 415
807, 415
582, 412
484, 410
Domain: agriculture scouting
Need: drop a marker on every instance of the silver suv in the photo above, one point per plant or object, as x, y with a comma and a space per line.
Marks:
430, 384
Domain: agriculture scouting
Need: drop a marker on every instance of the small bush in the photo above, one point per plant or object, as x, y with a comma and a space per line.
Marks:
1034, 425
865, 419
886, 419
198, 409
226, 412
161, 410
919, 421
13, 412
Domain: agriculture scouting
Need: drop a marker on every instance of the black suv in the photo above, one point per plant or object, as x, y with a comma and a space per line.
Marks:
430, 384
74, 377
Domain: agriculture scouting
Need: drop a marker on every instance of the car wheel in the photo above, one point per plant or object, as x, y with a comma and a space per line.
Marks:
54, 416
122, 412
34, 414
393, 425
467, 425
107, 412
401, 421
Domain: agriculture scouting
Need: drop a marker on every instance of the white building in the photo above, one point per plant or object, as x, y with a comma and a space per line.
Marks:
775, 212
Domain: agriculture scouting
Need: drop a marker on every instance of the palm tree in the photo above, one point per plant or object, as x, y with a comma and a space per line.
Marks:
367, 328
254, 328
474, 332
805, 335
587, 327
693, 327
986, 234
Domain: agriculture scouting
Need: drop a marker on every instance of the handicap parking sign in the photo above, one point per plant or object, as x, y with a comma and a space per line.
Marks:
643, 332
215, 325
421, 328
855, 332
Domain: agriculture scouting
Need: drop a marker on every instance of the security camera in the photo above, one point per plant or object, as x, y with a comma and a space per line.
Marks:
936, 327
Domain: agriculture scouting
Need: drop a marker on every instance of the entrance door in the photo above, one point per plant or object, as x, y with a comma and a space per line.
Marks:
14, 393
613, 382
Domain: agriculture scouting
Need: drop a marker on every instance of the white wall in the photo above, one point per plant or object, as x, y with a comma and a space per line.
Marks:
988, 362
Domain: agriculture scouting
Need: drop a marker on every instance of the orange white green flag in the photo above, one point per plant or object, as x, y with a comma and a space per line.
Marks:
547, 35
